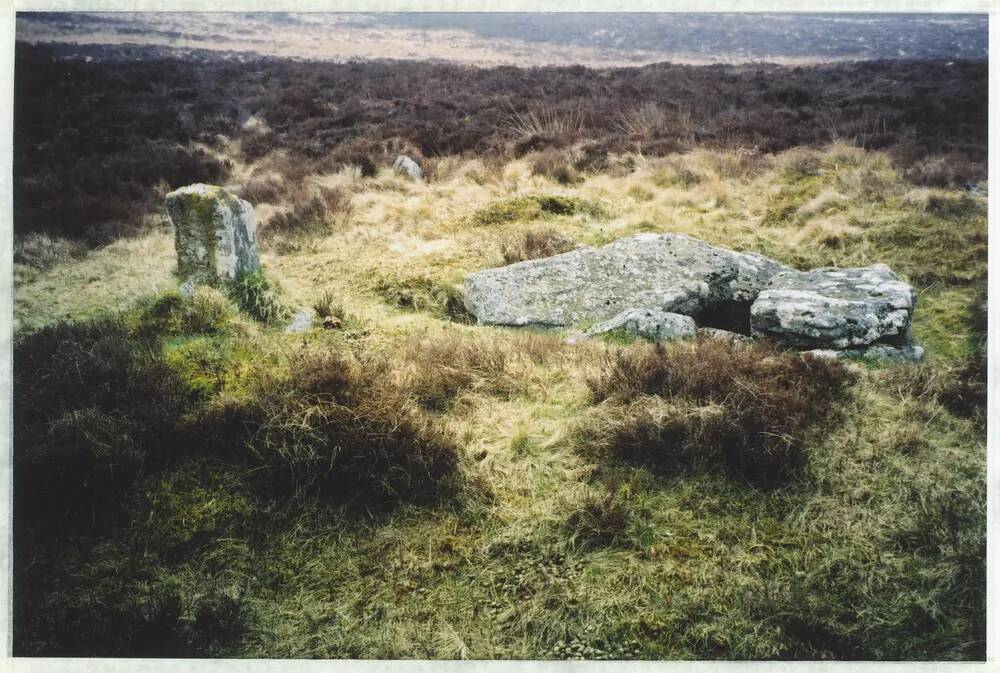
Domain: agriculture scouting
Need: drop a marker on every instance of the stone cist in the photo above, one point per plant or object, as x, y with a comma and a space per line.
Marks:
671, 286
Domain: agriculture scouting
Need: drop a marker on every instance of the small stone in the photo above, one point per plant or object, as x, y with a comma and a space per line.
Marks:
651, 324
301, 322
404, 165
825, 353
885, 352
875, 353
722, 335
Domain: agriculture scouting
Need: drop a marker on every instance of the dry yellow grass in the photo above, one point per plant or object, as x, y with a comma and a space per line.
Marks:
804, 207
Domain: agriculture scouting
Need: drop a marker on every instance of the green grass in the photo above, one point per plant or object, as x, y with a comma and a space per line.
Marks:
534, 207
422, 293
783, 206
193, 481
940, 322
259, 298
600, 560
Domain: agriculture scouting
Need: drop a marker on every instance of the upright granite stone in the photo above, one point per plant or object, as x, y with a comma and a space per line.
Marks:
673, 273
214, 232
834, 308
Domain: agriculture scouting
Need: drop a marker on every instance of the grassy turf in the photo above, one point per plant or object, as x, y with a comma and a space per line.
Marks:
528, 544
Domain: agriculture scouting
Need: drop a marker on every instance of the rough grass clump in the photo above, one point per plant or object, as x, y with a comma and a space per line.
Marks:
313, 215
953, 169
206, 311
269, 189
259, 298
783, 205
535, 244
341, 428
533, 207
601, 518
556, 165
435, 371
673, 173
712, 404
422, 293
41, 251
330, 312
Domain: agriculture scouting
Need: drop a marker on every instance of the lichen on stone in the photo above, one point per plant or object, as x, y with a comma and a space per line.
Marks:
215, 234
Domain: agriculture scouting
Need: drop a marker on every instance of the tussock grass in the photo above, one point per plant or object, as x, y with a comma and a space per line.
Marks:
259, 298
436, 370
546, 122
534, 244
310, 215
41, 251
535, 206
713, 404
341, 429
421, 293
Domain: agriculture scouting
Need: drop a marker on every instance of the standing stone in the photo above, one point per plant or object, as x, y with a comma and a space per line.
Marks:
834, 308
407, 166
667, 272
214, 232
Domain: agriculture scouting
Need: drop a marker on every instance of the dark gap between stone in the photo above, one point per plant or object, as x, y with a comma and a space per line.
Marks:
728, 315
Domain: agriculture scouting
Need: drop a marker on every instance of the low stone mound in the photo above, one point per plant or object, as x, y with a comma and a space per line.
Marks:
672, 273
834, 308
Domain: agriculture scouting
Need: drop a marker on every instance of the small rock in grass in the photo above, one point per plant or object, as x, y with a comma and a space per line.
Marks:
875, 353
723, 335
404, 165
652, 324
302, 321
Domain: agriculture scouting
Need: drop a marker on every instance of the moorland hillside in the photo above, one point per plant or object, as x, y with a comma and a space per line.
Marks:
192, 479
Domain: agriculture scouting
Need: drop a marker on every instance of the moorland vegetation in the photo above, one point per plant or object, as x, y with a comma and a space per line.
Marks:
192, 480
